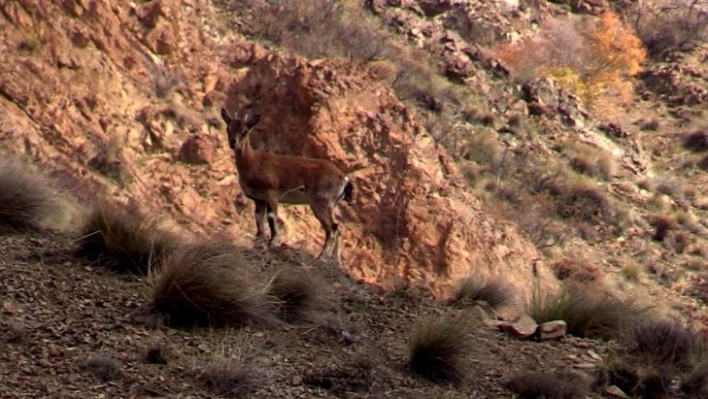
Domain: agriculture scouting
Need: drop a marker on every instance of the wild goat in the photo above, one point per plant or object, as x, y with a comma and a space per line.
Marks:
269, 179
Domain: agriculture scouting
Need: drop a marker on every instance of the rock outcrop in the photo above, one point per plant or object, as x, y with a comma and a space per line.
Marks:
412, 214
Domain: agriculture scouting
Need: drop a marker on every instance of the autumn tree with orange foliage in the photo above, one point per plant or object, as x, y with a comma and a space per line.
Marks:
594, 58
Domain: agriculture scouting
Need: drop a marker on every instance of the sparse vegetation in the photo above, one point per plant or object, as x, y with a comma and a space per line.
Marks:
587, 313
668, 26
32, 42
109, 161
123, 240
299, 293
594, 162
209, 285
577, 270
547, 385
696, 383
361, 375
661, 342
496, 291
30, 200
104, 367
439, 347
229, 378
696, 141
592, 57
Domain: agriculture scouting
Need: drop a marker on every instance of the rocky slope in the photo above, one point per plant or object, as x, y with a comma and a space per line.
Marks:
122, 96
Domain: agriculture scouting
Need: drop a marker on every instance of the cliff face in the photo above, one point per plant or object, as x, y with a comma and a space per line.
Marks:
123, 101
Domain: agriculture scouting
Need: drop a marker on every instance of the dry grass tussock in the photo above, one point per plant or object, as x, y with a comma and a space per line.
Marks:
299, 294
589, 160
662, 342
209, 285
439, 348
496, 291
228, 377
587, 312
122, 240
547, 385
30, 200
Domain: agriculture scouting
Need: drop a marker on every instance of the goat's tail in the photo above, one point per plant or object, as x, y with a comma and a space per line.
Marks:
349, 192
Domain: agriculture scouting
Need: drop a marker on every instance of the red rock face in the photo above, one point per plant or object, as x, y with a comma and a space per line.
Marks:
146, 85
411, 217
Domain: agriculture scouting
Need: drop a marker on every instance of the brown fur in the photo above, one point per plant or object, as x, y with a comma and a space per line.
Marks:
269, 179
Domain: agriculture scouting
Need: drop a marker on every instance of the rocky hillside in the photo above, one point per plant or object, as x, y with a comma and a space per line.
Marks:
139, 123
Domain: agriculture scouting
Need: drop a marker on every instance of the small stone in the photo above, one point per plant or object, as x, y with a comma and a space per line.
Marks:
552, 329
522, 328
615, 392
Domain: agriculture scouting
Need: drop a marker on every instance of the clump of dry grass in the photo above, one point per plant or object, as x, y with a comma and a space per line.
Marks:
208, 285
696, 141
104, 367
577, 270
589, 160
299, 293
696, 382
661, 342
587, 312
496, 291
439, 347
122, 240
662, 225
29, 199
228, 378
537, 384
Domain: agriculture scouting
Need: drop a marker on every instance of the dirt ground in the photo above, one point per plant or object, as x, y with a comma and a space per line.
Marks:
63, 321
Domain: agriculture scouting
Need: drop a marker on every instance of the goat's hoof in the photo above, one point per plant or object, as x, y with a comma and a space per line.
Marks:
274, 243
260, 244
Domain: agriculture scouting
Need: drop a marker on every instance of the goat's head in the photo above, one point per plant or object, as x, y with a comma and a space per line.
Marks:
238, 128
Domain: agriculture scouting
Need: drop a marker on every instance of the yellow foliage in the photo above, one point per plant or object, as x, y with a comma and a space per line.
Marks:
595, 59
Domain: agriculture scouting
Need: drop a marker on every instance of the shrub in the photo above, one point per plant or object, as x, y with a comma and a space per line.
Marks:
594, 162
123, 240
593, 57
696, 141
496, 291
208, 285
668, 26
661, 342
662, 225
546, 385
585, 201
29, 199
577, 270
298, 293
439, 347
228, 378
587, 313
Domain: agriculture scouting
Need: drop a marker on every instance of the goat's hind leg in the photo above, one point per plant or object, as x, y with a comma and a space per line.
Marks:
324, 213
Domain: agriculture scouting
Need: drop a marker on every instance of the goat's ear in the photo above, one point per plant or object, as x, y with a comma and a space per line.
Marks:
225, 116
253, 120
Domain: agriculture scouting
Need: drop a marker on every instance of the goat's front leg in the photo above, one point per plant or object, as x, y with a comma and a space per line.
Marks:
260, 215
272, 208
